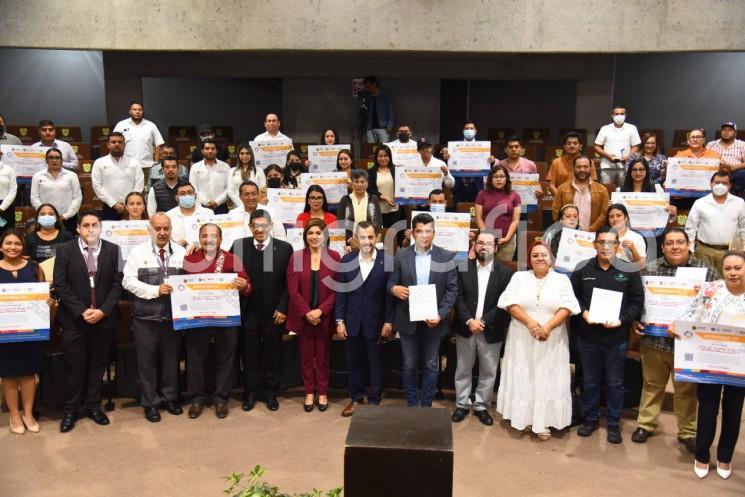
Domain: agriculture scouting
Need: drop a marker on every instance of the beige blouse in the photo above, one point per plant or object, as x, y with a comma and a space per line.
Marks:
385, 187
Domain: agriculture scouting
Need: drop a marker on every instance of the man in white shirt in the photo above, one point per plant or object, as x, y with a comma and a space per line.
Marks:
145, 277
249, 195
615, 143
48, 135
732, 151
424, 147
716, 222
114, 176
210, 178
271, 125
403, 135
140, 134
181, 215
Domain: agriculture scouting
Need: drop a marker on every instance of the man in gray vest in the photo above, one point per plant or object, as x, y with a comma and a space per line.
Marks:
146, 278
162, 195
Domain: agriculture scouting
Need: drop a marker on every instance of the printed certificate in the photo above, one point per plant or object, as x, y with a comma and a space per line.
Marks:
422, 302
334, 184
204, 300
665, 298
405, 154
232, 229
605, 305
126, 234
710, 353
322, 158
413, 184
286, 204
575, 246
24, 312
469, 158
451, 230
271, 152
24, 159
689, 177
526, 185
647, 211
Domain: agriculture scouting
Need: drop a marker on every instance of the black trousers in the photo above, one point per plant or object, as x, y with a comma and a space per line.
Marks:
109, 214
364, 353
86, 356
157, 345
708, 407
71, 225
198, 342
262, 353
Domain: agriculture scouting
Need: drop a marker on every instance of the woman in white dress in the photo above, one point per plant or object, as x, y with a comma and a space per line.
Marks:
534, 388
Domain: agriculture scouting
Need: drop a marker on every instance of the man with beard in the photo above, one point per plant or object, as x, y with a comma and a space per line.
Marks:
140, 135
210, 178
562, 168
591, 198
732, 151
114, 176
206, 132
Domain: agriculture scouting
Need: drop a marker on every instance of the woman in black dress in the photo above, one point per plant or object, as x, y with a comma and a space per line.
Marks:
19, 361
42, 243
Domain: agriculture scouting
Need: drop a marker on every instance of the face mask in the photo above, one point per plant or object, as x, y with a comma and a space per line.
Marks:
437, 207
619, 119
46, 221
273, 182
720, 189
296, 166
469, 134
403, 137
187, 201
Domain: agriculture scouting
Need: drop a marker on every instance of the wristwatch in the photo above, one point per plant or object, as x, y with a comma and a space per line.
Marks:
339, 321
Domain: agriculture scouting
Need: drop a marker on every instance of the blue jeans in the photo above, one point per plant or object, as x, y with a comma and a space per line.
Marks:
597, 359
425, 345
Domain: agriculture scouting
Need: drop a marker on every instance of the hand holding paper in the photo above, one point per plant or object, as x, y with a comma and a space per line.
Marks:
605, 307
423, 303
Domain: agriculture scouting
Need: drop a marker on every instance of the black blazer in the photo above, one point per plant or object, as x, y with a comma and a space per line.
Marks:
372, 184
72, 286
496, 320
269, 286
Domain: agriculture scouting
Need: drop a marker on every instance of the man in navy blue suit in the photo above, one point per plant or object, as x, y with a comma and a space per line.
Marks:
422, 264
364, 315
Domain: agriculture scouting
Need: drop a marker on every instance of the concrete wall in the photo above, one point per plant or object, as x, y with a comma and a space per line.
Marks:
415, 25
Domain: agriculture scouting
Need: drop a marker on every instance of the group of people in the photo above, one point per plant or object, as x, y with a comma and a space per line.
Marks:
362, 295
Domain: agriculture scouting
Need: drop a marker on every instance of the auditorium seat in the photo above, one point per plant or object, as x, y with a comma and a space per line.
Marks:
670, 152
223, 134
368, 150
178, 134
23, 214
531, 151
536, 136
363, 163
302, 148
82, 150
28, 134
100, 135
551, 152
185, 148
86, 165
69, 133
564, 131
680, 138
542, 167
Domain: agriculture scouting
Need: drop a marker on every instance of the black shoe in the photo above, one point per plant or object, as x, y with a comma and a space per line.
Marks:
272, 404
152, 414
68, 422
640, 435
459, 414
308, 407
484, 417
195, 410
172, 408
614, 435
249, 403
323, 407
98, 416
689, 443
586, 428
221, 410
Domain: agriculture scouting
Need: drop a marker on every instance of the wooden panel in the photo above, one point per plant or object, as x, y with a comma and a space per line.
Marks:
368, 150
100, 134
530, 151
537, 136
680, 138
82, 150
69, 133
186, 148
363, 163
26, 133
551, 152
542, 169
498, 135
86, 166
223, 134
182, 134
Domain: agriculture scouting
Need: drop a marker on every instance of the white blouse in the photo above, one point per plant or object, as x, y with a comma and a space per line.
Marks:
8, 186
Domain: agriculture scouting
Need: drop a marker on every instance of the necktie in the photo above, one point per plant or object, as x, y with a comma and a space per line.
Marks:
260, 247
162, 255
90, 264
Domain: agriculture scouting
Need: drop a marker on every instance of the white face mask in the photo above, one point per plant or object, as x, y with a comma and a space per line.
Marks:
437, 207
619, 119
720, 189
469, 134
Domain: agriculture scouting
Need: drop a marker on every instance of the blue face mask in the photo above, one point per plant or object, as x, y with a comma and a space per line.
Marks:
437, 207
46, 221
469, 134
187, 201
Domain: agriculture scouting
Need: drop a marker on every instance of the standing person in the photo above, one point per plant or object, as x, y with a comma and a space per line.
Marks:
732, 152
364, 316
210, 179
379, 106
88, 283
654, 160
244, 170
157, 172
498, 208
632, 247
615, 143
359, 205
514, 162
114, 176
264, 311
382, 184
480, 328
271, 125
141, 136
534, 388
207, 132
590, 197
145, 278
59, 187
568, 218
316, 207
311, 310
8, 191
20, 362
274, 175
5, 137
637, 178
716, 221
562, 167
134, 207
603, 346
249, 195
48, 135
657, 353
466, 188
329, 137
721, 302
209, 259
422, 264
696, 148
162, 194
42, 243
345, 164
424, 147
292, 171
184, 213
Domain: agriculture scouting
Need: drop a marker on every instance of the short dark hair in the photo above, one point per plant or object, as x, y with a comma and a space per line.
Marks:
734, 253
574, 164
370, 79
247, 183
172, 147
168, 157
135, 102
52, 149
178, 187
721, 174
675, 229
606, 228
270, 113
116, 133
572, 134
436, 191
260, 213
45, 122
422, 218
205, 142
470, 121
512, 138
366, 224
87, 213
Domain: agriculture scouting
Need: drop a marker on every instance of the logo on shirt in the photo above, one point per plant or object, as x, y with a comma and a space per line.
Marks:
620, 277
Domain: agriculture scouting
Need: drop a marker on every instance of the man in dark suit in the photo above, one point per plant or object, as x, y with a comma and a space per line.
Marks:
422, 264
88, 283
480, 328
264, 312
364, 315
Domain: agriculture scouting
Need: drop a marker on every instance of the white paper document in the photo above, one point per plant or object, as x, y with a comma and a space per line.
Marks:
695, 275
605, 305
422, 302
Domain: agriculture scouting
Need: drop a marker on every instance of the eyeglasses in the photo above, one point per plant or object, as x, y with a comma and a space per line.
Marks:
485, 244
260, 227
696, 137
606, 243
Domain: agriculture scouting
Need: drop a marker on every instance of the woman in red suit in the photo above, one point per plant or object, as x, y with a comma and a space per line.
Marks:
311, 310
